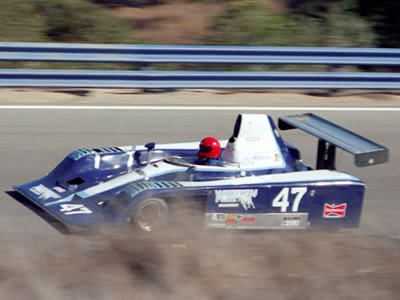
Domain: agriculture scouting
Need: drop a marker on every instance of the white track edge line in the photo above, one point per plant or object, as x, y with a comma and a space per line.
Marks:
187, 108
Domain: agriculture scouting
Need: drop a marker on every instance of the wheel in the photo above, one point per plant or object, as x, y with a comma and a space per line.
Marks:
150, 214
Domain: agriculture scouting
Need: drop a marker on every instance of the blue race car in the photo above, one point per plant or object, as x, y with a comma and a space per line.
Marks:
259, 182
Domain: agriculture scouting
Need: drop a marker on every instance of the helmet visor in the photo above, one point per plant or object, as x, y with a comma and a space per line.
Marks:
205, 149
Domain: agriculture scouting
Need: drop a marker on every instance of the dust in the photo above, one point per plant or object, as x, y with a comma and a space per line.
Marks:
187, 263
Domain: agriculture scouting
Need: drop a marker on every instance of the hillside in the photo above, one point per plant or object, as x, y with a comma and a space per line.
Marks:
218, 22
174, 22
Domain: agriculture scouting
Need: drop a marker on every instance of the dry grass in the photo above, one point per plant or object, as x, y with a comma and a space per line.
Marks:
187, 264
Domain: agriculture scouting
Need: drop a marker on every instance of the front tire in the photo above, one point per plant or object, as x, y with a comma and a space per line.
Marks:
150, 215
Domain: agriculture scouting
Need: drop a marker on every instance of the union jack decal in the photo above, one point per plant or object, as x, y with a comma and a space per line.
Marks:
334, 211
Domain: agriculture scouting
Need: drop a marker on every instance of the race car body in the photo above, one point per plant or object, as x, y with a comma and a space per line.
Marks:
261, 182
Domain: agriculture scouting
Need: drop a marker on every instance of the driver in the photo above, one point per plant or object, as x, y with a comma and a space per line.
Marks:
209, 152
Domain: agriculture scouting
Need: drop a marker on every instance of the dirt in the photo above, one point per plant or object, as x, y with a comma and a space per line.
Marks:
189, 264
241, 98
175, 22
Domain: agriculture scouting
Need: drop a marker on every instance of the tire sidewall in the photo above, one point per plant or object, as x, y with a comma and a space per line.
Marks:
162, 206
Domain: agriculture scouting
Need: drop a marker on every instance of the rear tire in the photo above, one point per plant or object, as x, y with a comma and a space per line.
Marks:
150, 215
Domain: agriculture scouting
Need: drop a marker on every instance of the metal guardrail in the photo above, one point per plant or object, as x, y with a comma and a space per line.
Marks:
149, 54
161, 79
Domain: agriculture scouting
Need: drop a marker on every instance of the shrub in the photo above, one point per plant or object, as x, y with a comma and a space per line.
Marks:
61, 21
253, 22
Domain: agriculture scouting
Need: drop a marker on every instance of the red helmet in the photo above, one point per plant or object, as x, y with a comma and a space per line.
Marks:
209, 147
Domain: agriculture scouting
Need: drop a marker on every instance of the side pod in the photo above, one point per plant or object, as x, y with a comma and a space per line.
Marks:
330, 136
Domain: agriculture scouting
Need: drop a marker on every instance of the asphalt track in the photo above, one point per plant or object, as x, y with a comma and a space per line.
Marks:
33, 141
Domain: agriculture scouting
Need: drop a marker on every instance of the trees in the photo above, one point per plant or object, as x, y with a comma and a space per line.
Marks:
384, 15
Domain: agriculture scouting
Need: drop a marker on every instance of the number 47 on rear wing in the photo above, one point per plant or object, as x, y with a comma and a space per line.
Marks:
330, 136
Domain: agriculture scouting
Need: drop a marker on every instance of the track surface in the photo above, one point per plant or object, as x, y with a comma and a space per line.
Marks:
34, 141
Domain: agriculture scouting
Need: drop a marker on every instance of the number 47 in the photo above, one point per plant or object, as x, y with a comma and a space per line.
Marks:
73, 209
282, 199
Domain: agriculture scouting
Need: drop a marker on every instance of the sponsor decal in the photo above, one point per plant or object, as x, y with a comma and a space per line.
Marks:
248, 220
59, 189
253, 139
234, 198
291, 222
230, 219
218, 217
334, 211
43, 192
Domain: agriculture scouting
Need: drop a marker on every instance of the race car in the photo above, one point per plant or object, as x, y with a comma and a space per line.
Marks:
260, 181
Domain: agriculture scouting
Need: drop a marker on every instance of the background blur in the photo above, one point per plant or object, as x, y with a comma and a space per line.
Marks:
348, 23
340, 23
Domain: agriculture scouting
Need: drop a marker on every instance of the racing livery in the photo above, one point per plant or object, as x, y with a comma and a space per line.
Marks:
259, 183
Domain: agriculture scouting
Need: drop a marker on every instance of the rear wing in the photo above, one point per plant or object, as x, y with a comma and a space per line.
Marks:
330, 136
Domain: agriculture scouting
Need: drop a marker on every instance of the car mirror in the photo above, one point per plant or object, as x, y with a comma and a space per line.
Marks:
191, 170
